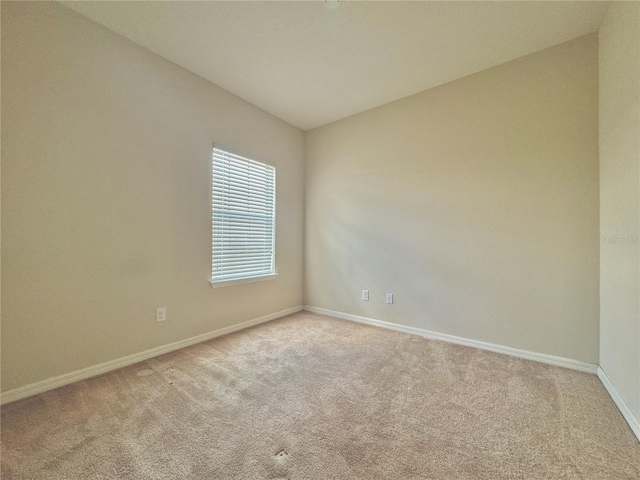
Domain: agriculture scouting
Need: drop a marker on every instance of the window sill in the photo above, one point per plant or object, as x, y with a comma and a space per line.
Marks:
239, 281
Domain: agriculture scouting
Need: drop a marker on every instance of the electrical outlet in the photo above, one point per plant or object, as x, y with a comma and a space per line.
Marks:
365, 295
161, 314
389, 298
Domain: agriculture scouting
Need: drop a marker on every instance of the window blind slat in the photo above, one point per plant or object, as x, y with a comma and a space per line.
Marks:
231, 258
254, 205
253, 269
223, 196
236, 161
226, 175
262, 240
238, 216
243, 265
257, 182
254, 228
236, 187
242, 170
241, 251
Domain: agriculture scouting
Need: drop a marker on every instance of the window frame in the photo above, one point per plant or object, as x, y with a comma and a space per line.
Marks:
249, 278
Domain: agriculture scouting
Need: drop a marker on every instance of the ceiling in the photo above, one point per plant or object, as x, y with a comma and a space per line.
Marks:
310, 65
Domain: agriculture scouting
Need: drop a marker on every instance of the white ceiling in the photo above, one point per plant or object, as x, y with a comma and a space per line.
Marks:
309, 65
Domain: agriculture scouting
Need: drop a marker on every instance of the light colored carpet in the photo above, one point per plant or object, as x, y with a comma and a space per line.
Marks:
312, 397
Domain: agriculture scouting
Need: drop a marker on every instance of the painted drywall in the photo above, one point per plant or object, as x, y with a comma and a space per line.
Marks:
619, 54
106, 197
475, 203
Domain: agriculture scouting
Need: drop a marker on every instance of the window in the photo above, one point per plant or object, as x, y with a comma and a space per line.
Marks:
243, 218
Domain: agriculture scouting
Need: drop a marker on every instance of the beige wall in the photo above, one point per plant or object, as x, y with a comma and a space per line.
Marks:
105, 197
619, 40
475, 203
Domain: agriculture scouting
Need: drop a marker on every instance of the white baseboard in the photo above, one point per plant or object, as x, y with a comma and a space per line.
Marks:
67, 378
626, 412
514, 352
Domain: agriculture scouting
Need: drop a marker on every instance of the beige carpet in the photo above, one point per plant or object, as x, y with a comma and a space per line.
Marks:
312, 397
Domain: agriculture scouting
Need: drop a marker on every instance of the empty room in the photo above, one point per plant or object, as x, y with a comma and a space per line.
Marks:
320, 240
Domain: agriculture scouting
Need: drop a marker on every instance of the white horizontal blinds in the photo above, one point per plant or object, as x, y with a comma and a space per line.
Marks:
243, 217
